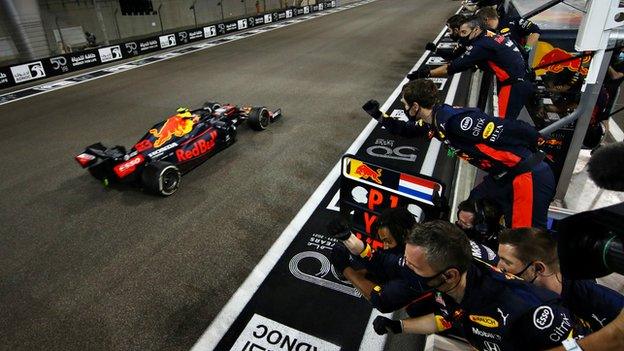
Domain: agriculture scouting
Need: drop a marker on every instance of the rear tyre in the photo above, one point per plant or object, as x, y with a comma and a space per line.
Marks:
259, 118
161, 178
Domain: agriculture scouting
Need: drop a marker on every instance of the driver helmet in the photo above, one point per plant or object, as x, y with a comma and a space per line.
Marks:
184, 112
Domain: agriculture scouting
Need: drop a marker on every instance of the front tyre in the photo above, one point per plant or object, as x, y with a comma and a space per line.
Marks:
259, 118
161, 178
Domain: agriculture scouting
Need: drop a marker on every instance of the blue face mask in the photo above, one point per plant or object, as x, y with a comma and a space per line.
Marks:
621, 56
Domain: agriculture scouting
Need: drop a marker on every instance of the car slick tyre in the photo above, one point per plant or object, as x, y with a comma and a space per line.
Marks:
259, 118
161, 178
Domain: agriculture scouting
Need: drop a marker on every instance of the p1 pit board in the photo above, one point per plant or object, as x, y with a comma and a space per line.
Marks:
294, 299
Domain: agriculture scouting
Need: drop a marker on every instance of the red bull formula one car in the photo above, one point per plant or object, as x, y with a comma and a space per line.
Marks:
173, 146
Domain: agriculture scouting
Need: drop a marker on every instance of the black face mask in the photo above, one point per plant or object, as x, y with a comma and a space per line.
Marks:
407, 114
465, 41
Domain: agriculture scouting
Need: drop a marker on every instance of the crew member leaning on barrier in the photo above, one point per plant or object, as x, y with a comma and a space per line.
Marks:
381, 275
492, 52
518, 181
531, 254
453, 24
522, 32
495, 311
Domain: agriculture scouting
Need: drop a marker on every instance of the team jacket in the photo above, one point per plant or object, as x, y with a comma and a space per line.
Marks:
493, 52
500, 313
517, 29
492, 144
592, 302
401, 285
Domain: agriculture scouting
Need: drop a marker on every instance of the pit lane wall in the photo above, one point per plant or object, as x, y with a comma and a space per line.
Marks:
14, 75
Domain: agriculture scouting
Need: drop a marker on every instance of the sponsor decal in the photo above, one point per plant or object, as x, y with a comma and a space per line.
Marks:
173, 126
484, 334
199, 148
210, 31
599, 320
131, 47
268, 18
3, 78
167, 41
325, 270
504, 30
110, 53
497, 132
161, 150
231, 27
306, 9
402, 153
83, 59
183, 37
280, 16
543, 317
489, 128
148, 45
491, 346
124, 169
479, 125
361, 170
251, 21
503, 316
442, 324
466, 123
260, 20
28, 71
320, 7
59, 63
242, 24
221, 28
262, 333
289, 13
440, 300
435, 61
484, 321
563, 330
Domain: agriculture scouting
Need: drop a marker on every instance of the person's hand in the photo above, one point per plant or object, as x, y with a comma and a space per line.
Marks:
422, 72
338, 228
431, 46
372, 108
340, 257
383, 325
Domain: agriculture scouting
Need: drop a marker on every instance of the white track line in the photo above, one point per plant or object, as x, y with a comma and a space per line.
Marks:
238, 301
233, 37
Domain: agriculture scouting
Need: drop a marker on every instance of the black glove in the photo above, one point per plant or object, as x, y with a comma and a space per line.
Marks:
339, 228
422, 72
372, 108
431, 47
340, 257
383, 325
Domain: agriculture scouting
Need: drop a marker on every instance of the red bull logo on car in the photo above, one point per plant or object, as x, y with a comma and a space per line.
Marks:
198, 148
175, 125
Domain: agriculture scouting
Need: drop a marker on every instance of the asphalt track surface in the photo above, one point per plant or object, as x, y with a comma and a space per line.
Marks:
88, 268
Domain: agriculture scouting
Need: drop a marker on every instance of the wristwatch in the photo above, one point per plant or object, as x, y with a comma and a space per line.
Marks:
571, 345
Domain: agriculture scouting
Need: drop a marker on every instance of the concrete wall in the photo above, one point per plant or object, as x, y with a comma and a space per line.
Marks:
113, 26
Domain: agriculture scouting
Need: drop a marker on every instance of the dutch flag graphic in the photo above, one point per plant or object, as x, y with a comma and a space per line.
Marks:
420, 188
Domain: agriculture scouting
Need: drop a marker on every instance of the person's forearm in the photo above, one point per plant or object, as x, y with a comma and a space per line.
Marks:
357, 278
532, 39
441, 71
420, 325
354, 245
